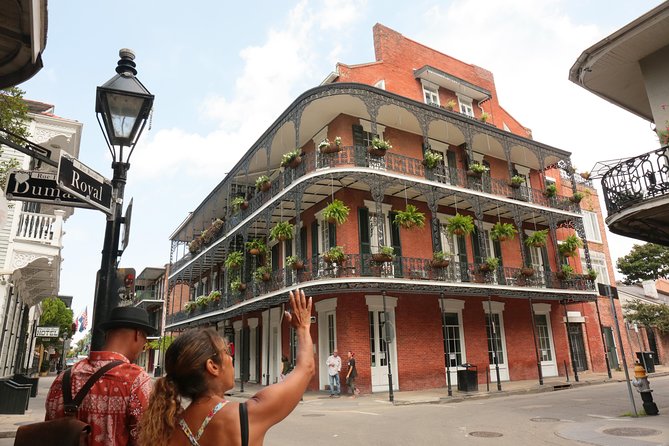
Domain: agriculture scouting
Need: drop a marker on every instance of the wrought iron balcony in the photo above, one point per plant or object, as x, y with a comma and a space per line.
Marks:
635, 194
318, 273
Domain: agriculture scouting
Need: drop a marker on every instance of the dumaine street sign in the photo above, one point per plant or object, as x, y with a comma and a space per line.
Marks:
84, 183
41, 187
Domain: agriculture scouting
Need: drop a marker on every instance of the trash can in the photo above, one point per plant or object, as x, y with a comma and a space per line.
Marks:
647, 360
468, 380
157, 372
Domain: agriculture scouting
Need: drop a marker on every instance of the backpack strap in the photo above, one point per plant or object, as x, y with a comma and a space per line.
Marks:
72, 406
244, 423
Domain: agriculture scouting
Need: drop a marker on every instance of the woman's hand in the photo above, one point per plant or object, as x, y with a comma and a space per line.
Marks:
301, 310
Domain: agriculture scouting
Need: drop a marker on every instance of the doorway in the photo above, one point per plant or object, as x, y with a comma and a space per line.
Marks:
610, 344
578, 346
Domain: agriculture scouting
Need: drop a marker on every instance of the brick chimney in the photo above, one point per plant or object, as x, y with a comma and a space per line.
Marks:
649, 288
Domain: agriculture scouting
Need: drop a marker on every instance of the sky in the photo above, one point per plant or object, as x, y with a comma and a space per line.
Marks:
222, 72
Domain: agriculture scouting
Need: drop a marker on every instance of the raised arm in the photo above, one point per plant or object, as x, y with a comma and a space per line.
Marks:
275, 402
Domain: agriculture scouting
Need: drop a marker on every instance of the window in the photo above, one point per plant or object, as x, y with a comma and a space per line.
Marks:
431, 94
466, 106
598, 261
543, 335
452, 342
495, 346
591, 225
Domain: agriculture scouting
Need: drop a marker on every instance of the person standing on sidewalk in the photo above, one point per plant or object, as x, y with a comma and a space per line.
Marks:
116, 402
352, 374
334, 367
198, 366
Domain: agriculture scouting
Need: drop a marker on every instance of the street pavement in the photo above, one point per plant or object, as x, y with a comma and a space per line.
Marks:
596, 410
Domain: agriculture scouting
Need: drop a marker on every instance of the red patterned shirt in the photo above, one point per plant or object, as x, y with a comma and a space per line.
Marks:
114, 404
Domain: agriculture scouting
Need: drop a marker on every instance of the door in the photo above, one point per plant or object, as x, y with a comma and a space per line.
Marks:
611, 351
453, 345
378, 228
545, 345
327, 342
496, 346
381, 352
578, 346
652, 345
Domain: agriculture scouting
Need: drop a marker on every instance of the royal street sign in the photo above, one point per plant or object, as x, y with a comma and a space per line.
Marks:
41, 187
84, 183
47, 332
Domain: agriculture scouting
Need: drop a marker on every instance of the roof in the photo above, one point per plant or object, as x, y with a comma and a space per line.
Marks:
611, 69
635, 291
23, 27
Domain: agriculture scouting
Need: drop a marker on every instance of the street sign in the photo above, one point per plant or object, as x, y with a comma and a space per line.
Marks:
40, 187
84, 183
126, 226
47, 332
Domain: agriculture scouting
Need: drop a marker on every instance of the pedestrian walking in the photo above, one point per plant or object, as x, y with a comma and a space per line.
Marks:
334, 367
351, 375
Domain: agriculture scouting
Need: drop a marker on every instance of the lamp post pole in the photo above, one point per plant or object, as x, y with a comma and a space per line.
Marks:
122, 106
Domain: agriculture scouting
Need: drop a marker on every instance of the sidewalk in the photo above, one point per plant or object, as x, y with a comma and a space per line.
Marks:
10, 423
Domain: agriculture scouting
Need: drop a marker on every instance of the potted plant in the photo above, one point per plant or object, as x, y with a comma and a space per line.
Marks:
263, 274
263, 183
379, 147
326, 146
202, 301
490, 264
576, 197
385, 254
431, 159
281, 231
294, 262
516, 181
336, 212
503, 231
195, 245
334, 255
410, 218
476, 170
663, 134
450, 105
570, 245
527, 270
592, 274
234, 260
190, 306
215, 296
256, 247
537, 239
440, 259
484, 117
239, 203
565, 272
551, 190
237, 285
292, 158
460, 224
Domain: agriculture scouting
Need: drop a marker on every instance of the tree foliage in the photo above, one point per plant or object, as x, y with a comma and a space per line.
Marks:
648, 315
13, 117
645, 262
161, 344
82, 346
56, 314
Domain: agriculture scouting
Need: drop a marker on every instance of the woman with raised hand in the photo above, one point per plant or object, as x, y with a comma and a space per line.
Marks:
198, 367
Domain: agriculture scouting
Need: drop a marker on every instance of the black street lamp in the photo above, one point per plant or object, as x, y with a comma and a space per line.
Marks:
123, 106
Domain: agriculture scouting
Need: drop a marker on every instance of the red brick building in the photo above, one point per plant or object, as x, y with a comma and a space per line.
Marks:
500, 301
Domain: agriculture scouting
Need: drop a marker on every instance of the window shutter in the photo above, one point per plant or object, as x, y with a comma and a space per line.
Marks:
498, 251
358, 139
303, 242
476, 247
395, 243
314, 245
332, 235
462, 258
544, 254
275, 255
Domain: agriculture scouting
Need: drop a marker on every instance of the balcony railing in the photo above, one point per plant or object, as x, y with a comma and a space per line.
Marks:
418, 269
146, 295
41, 228
357, 156
636, 179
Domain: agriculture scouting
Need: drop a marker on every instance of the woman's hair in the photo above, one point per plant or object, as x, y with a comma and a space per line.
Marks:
185, 375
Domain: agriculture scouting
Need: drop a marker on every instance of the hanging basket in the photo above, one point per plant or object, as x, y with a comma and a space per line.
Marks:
527, 272
381, 258
560, 275
473, 174
265, 186
298, 265
242, 287
266, 277
332, 220
484, 267
440, 263
254, 251
376, 152
244, 206
295, 162
514, 185
330, 148
458, 232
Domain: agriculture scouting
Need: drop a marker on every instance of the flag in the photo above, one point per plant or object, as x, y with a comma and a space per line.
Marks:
83, 320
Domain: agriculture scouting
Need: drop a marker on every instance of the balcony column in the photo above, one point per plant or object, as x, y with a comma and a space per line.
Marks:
433, 205
507, 154
378, 192
552, 231
297, 195
580, 230
296, 117
518, 220
57, 227
542, 167
478, 221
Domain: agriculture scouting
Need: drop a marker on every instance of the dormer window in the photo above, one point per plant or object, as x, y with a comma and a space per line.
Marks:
430, 93
466, 107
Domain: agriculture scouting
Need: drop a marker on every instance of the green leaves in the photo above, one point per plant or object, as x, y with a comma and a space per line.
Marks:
648, 315
644, 262
56, 314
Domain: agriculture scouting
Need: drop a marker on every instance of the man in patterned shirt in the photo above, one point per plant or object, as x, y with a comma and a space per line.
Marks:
115, 403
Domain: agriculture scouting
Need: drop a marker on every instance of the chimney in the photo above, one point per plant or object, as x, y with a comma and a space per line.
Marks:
649, 289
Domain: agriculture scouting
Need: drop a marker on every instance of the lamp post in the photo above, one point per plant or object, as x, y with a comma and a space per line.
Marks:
122, 106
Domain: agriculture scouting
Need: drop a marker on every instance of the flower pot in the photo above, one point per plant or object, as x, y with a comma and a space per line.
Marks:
295, 162
376, 152
298, 265
264, 187
331, 148
502, 238
381, 258
471, 173
281, 238
575, 199
244, 206
538, 245
440, 263
266, 277
560, 275
458, 231
484, 267
527, 272
514, 185
254, 251
332, 220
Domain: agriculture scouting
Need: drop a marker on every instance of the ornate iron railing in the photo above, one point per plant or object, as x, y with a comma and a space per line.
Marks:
419, 269
636, 179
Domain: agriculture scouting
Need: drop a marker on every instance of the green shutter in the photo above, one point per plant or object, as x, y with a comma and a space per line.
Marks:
476, 247
303, 242
363, 236
332, 234
462, 258
358, 139
395, 243
314, 245
275, 255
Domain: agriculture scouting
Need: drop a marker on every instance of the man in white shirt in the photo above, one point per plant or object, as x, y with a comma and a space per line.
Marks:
334, 367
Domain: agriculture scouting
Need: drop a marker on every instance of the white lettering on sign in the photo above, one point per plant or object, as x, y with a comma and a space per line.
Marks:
86, 189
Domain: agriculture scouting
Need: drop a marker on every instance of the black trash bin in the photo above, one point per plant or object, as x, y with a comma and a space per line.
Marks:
157, 372
468, 380
647, 360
